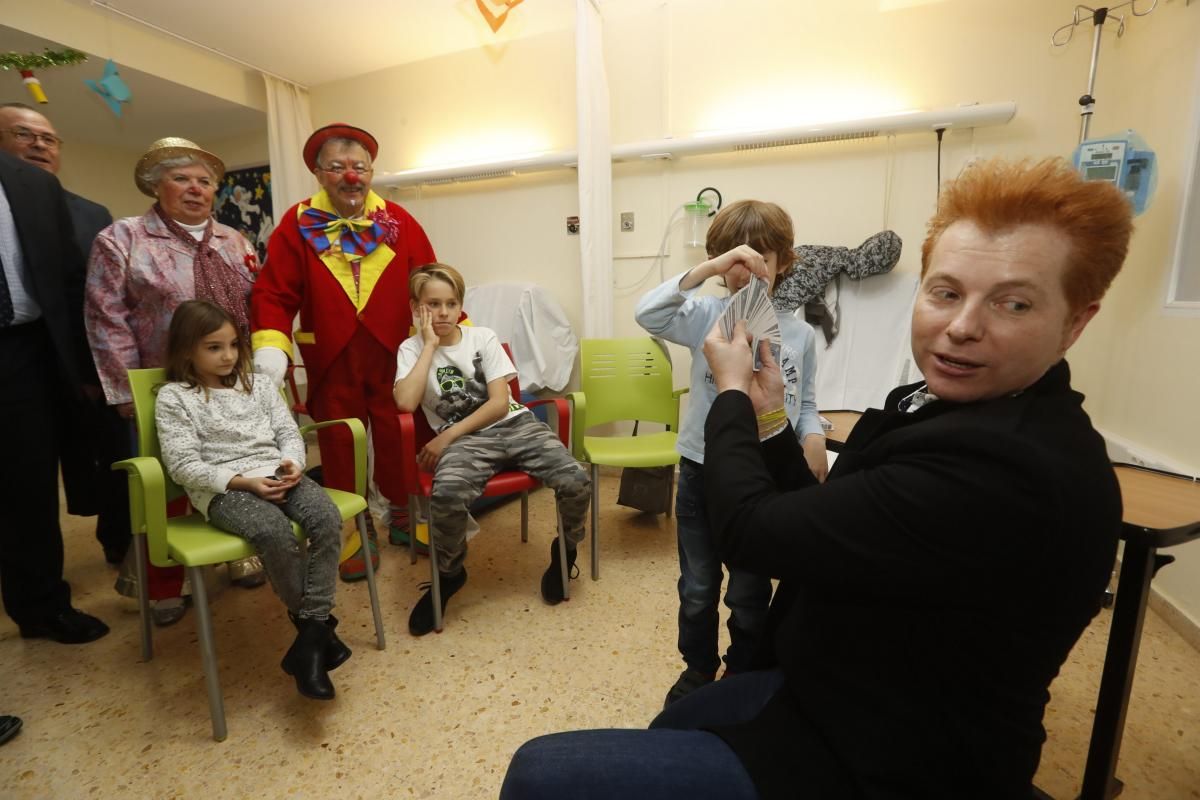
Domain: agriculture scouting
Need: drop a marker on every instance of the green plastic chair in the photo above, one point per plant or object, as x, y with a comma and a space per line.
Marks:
190, 541
623, 379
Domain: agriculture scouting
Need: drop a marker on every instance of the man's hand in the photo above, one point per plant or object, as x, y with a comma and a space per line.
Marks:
271, 362
730, 362
125, 410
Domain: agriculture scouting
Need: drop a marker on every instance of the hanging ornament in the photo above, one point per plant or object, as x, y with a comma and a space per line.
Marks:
34, 86
494, 21
26, 63
111, 87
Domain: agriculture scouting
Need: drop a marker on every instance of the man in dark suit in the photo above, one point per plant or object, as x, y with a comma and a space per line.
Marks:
31, 137
89, 446
44, 364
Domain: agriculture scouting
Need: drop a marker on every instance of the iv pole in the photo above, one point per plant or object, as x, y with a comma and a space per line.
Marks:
1098, 16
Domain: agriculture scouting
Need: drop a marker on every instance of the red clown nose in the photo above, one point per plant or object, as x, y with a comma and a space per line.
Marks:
351, 177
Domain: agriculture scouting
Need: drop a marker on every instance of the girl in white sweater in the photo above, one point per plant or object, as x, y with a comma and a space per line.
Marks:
232, 445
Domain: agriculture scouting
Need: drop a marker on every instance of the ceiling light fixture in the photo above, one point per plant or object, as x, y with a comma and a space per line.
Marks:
968, 116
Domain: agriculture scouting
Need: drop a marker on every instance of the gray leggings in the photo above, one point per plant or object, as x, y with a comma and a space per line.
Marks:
306, 585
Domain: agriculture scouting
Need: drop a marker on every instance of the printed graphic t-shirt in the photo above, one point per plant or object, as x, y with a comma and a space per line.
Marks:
457, 382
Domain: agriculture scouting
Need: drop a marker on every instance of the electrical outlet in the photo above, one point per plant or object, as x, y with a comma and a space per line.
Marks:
626, 221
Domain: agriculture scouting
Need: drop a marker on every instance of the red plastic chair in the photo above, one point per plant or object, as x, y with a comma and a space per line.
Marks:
415, 433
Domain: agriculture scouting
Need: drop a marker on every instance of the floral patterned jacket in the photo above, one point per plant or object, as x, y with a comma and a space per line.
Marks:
138, 274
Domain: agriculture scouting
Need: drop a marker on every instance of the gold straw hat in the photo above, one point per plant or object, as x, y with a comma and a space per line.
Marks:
173, 147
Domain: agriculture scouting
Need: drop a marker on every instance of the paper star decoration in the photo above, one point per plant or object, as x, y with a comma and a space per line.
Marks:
111, 88
494, 21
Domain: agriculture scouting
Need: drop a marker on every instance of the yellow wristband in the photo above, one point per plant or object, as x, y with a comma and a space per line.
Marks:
766, 431
773, 416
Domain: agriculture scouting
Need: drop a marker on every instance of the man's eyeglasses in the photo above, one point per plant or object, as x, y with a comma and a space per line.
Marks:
26, 136
341, 169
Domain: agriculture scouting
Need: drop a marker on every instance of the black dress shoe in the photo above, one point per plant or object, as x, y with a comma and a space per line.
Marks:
9, 726
67, 627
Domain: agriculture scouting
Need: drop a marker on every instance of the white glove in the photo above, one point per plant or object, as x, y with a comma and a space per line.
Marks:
272, 362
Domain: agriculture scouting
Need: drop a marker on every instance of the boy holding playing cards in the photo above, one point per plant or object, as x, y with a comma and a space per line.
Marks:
748, 240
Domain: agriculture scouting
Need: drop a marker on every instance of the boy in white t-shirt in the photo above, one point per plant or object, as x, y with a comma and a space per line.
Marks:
459, 376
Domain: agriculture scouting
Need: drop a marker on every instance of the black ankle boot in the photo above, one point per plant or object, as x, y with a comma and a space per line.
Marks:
336, 652
552, 586
305, 660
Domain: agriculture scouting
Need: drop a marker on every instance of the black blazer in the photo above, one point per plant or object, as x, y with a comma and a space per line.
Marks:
55, 268
930, 589
88, 219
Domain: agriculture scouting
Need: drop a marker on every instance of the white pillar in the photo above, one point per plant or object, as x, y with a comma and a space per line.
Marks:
595, 171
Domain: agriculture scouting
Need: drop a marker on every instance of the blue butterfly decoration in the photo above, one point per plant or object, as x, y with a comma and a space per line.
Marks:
111, 87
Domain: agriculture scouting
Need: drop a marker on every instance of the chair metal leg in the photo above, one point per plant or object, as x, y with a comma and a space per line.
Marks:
143, 592
595, 522
671, 493
435, 582
380, 643
414, 514
1138, 565
208, 653
562, 560
524, 516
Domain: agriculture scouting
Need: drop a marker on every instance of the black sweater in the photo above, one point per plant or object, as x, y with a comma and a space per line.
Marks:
929, 590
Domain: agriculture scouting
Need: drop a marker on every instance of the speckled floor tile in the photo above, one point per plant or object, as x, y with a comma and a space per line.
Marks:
439, 717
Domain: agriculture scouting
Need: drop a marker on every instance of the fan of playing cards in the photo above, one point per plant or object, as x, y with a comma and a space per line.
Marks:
753, 304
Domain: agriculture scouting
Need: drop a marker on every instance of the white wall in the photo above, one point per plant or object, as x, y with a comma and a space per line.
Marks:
103, 175
706, 64
78, 25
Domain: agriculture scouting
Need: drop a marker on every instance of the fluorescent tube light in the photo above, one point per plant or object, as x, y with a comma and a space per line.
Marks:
973, 116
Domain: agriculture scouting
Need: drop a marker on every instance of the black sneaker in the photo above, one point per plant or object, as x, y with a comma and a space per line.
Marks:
552, 586
689, 681
9, 727
420, 621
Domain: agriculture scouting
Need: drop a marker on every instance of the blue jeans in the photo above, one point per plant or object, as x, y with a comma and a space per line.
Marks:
700, 574
671, 760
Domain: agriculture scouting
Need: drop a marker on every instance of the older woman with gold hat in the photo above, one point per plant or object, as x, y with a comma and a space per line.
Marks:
140, 270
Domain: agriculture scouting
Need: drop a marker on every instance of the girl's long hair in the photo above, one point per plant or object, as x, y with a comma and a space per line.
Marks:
193, 320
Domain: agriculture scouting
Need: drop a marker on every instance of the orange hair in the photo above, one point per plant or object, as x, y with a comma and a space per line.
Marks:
1000, 195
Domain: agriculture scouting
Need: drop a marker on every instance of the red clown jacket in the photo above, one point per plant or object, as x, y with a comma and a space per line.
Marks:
322, 288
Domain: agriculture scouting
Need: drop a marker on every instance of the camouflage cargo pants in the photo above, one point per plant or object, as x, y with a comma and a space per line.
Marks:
521, 442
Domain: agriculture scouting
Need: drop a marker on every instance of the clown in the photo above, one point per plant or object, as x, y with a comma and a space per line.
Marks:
342, 259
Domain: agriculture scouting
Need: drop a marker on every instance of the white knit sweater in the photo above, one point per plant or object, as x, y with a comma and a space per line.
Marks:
206, 441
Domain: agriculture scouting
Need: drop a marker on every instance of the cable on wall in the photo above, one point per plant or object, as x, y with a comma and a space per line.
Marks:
938, 191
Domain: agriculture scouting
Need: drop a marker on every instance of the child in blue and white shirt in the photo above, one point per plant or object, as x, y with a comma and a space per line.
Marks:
746, 238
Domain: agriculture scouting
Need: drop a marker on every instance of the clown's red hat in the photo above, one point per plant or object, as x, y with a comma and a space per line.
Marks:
338, 130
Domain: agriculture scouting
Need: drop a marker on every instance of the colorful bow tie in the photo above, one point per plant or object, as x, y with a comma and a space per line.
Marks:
358, 237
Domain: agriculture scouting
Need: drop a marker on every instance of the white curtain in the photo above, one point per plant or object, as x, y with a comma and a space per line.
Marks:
595, 171
289, 124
